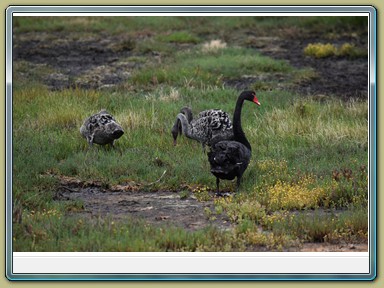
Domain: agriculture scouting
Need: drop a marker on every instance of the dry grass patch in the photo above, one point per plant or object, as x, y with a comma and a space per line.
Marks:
331, 122
133, 119
213, 46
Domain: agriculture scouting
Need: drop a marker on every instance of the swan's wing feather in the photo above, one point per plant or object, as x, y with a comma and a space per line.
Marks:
228, 153
228, 159
219, 120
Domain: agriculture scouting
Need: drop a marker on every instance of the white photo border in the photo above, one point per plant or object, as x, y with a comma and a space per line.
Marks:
14, 273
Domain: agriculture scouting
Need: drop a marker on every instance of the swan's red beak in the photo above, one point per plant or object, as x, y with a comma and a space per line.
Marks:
256, 100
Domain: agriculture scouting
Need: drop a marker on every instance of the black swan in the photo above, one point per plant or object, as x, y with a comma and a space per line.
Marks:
209, 127
101, 128
176, 129
229, 159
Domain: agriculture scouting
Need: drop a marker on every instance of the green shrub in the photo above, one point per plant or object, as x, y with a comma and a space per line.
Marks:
319, 50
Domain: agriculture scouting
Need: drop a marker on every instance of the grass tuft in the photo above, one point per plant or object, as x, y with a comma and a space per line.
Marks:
213, 46
319, 50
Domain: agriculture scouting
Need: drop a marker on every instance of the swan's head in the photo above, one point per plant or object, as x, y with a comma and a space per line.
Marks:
117, 133
176, 130
188, 113
250, 96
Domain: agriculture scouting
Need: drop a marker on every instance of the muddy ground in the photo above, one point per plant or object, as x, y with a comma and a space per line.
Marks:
103, 61
167, 208
339, 76
160, 207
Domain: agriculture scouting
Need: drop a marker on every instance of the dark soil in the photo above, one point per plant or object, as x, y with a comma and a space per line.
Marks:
94, 62
339, 76
167, 208
160, 207
104, 61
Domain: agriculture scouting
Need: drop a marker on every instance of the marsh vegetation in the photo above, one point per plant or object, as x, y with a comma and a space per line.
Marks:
306, 184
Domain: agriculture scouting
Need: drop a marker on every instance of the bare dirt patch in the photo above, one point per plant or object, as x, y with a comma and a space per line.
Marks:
105, 61
160, 207
340, 76
324, 247
85, 62
170, 209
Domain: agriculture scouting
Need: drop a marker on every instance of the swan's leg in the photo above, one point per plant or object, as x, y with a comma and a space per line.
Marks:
90, 140
218, 193
238, 181
176, 131
217, 185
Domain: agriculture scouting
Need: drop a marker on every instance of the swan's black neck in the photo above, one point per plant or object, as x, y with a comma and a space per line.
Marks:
188, 113
238, 132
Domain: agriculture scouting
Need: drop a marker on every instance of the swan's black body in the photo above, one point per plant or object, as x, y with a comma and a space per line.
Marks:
229, 159
101, 128
209, 127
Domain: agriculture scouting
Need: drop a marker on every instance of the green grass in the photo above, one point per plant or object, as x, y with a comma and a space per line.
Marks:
308, 155
179, 37
47, 231
222, 26
201, 69
315, 140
